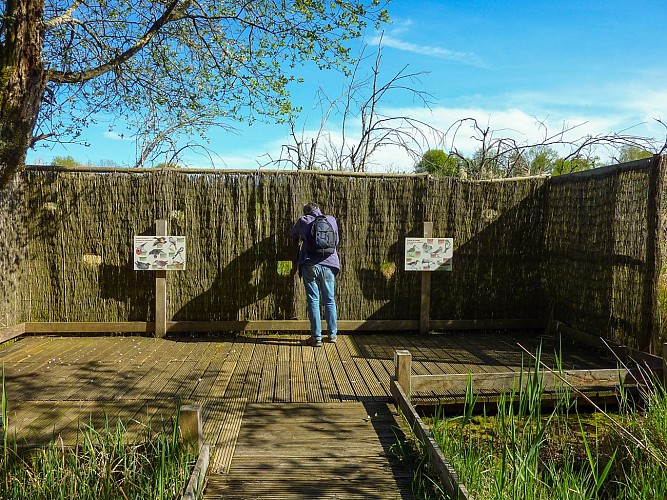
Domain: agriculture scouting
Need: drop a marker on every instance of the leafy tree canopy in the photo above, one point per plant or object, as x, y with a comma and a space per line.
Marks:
437, 162
631, 153
190, 62
64, 161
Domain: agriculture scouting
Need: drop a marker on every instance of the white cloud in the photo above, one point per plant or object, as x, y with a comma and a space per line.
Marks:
427, 50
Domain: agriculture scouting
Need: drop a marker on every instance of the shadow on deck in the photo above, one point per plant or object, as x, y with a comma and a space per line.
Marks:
285, 420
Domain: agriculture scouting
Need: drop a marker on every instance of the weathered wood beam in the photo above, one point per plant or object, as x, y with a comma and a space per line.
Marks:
623, 353
90, 327
195, 487
403, 370
487, 324
11, 332
425, 307
191, 425
160, 288
437, 459
269, 325
503, 381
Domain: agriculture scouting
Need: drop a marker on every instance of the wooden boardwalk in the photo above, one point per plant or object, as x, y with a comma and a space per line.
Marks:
296, 421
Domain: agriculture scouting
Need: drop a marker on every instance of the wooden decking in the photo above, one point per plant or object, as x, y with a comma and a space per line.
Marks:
297, 421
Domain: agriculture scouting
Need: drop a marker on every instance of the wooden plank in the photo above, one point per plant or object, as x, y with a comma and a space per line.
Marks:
377, 391
163, 370
11, 332
259, 363
24, 349
322, 450
329, 389
243, 172
161, 288
287, 325
297, 378
487, 324
346, 348
437, 459
90, 327
425, 301
215, 372
240, 373
74, 327
502, 381
311, 375
195, 486
622, 352
344, 387
282, 379
221, 429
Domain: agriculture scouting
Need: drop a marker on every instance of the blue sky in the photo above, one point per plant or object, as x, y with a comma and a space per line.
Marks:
598, 64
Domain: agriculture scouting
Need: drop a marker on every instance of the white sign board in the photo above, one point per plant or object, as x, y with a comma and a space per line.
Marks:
159, 253
429, 254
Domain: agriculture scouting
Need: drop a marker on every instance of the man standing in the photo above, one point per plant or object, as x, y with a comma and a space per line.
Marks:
318, 266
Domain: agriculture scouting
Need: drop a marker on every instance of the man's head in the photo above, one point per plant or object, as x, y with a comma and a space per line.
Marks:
309, 208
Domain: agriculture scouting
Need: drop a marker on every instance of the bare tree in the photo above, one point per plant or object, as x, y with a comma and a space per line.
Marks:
498, 155
364, 129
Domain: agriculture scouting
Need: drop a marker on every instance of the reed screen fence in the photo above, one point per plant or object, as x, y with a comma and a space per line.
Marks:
584, 249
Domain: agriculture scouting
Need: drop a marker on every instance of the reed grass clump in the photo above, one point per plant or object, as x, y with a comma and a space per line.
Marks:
524, 452
102, 465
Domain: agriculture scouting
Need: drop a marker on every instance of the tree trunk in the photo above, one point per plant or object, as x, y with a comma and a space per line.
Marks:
22, 82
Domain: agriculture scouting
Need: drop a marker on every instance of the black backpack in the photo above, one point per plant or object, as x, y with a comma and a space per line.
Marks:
321, 237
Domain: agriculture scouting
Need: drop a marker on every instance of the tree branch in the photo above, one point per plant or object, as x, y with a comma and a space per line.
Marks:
81, 76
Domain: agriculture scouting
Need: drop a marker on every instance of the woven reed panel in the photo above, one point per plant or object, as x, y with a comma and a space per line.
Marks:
596, 268
496, 228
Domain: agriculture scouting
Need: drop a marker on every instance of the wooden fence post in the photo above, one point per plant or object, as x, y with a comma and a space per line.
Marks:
192, 427
160, 288
403, 367
425, 312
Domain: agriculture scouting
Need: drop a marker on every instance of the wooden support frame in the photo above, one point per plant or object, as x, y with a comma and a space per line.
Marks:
260, 325
191, 425
425, 309
437, 459
504, 381
195, 487
403, 366
623, 353
161, 229
12, 332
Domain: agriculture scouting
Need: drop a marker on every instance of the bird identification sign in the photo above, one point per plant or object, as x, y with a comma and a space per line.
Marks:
159, 253
429, 254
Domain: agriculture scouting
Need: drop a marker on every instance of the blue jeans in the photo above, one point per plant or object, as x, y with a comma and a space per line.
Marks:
319, 279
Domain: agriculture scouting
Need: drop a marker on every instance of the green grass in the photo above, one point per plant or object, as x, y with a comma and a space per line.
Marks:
523, 451
102, 465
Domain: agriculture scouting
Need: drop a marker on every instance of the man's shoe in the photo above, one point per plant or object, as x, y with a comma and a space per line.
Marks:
313, 342
333, 338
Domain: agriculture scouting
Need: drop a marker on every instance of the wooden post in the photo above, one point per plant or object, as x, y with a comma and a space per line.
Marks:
192, 427
425, 312
403, 367
160, 288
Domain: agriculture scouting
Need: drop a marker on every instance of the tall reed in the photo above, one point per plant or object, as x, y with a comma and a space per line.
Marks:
525, 452
102, 465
